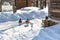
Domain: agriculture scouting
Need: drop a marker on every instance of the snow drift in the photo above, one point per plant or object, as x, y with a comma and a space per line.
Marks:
24, 13
50, 33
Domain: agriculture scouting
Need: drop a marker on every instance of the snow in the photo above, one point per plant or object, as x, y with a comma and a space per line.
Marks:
23, 14
21, 32
50, 33
7, 8
11, 30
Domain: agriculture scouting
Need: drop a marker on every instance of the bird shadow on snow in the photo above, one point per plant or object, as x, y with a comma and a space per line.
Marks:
4, 17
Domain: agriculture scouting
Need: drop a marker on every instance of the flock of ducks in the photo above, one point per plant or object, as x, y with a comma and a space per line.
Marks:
27, 21
45, 23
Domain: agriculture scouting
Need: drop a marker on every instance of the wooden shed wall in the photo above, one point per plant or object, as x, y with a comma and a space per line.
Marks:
54, 9
20, 4
29, 3
23, 3
17, 4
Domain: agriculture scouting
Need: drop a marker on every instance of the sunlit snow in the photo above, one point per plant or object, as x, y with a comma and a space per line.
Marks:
11, 30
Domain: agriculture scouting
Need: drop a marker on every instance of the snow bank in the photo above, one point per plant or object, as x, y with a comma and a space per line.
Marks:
24, 13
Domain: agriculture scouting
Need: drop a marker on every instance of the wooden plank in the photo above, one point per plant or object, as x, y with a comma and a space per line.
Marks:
20, 4
29, 3
23, 3
54, 9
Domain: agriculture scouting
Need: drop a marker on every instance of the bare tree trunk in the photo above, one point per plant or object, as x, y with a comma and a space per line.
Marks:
14, 7
41, 4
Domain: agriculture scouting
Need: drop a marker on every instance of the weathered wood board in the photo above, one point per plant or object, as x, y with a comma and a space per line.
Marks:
54, 9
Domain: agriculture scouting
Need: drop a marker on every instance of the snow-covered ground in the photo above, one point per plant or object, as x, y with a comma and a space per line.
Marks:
50, 33
20, 32
11, 30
